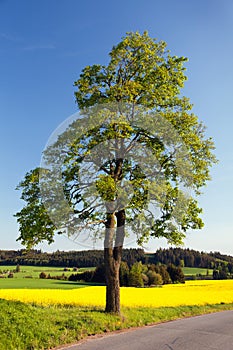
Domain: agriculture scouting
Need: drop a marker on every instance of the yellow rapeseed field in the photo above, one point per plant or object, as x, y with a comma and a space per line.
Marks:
190, 293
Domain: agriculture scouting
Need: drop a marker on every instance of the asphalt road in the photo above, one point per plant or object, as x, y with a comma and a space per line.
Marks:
212, 331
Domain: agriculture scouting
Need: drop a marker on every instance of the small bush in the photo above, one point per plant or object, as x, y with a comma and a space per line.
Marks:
84, 276
43, 275
154, 278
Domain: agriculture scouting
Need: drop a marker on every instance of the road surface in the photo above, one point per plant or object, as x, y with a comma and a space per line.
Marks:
212, 331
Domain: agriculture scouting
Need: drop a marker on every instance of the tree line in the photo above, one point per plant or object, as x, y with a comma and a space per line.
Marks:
85, 258
137, 275
89, 258
191, 258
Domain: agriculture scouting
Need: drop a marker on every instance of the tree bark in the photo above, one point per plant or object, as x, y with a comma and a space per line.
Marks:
112, 260
112, 267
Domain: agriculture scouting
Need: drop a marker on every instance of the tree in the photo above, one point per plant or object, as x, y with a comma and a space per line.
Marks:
17, 268
176, 273
181, 264
135, 275
142, 143
154, 278
99, 274
162, 270
124, 274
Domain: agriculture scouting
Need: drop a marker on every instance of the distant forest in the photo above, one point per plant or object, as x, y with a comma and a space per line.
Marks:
90, 258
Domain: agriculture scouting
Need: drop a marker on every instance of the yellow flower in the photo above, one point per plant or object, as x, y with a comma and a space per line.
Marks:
190, 293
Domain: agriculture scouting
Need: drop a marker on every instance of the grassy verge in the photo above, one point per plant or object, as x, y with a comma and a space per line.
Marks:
28, 327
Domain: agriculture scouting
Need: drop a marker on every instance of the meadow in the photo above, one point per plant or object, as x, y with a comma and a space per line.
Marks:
28, 278
196, 271
34, 271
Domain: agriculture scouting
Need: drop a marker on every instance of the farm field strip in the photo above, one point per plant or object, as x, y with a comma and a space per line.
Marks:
190, 293
196, 270
28, 277
34, 271
36, 283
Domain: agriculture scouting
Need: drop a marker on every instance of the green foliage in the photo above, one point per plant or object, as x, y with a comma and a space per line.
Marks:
192, 258
85, 276
162, 270
124, 274
99, 274
195, 262
52, 261
176, 274
141, 75
43, 275
94, 276
154, 278
221, 274
35, 224
135, 275
140, 70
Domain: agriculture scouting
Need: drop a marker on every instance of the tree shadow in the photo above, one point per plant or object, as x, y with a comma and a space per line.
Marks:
79, 284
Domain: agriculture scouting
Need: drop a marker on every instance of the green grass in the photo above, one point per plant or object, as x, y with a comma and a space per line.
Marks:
32, 283
34, 271
28, 277
28, 327
188, 271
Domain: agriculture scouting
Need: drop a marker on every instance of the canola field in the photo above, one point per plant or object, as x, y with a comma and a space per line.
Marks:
190, 293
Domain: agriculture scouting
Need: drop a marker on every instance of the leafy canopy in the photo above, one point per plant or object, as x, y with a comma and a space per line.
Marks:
135, 148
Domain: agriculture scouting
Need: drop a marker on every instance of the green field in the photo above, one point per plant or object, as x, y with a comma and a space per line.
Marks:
28, 277
34, 271
188, 271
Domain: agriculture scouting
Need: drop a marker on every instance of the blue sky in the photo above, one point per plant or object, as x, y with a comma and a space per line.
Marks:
45, 44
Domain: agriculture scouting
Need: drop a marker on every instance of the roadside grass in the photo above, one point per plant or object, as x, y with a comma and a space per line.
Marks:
33, 327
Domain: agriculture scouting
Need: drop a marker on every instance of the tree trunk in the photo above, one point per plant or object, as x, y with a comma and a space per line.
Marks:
112, 260
112, 267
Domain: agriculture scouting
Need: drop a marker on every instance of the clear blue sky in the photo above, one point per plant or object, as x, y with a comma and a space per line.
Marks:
45, 44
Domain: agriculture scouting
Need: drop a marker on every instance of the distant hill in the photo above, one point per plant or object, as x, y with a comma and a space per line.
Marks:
190, 258
86, 258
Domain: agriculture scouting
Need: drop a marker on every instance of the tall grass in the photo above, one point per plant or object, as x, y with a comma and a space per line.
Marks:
33, 327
